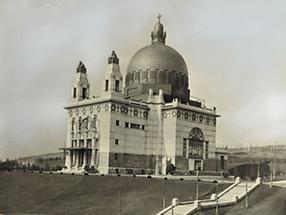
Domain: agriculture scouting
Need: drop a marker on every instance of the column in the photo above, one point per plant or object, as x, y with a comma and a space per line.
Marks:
76, 158
84, 158
188, 148
68, 159
92, 160
73, 159
84, 153
204, 150
96, 157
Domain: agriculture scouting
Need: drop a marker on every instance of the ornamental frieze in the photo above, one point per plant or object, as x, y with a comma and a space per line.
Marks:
190, 116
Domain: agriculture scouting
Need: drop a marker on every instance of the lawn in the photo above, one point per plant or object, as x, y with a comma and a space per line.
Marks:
71, 194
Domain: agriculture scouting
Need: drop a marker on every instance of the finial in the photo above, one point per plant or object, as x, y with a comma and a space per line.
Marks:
159, 17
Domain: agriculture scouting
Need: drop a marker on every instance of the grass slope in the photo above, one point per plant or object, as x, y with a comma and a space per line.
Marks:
68, 194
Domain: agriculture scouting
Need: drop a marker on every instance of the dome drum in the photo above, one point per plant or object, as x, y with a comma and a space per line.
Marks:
174, 85
157, 66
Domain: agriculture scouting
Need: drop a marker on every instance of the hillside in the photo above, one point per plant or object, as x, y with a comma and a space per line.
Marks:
71, 194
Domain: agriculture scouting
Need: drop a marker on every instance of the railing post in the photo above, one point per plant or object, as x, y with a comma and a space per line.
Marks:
197, 190
246, 195
119, 199
216, 208
271, 179
163, 194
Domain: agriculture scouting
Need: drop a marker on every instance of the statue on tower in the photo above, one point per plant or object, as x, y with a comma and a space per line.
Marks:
81, 68
113, 58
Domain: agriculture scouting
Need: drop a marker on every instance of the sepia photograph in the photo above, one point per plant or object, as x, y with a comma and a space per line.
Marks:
143, 107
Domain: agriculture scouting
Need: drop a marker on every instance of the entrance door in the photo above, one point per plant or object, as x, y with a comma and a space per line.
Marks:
198, 165
222, 162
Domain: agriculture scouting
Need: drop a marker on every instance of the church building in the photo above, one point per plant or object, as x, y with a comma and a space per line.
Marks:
142, 123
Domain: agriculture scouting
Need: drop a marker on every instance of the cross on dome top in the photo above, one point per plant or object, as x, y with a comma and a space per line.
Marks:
159, 17
158, 35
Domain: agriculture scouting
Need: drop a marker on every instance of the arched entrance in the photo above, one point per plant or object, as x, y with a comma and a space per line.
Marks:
195, 149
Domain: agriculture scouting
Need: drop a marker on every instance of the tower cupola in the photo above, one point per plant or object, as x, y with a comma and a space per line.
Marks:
113, 78
80, 88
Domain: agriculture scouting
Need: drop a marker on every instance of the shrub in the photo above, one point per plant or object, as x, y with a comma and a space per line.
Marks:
170, 168
129, 171
47, 167
58, 167
149, 176
86, 168
92, 170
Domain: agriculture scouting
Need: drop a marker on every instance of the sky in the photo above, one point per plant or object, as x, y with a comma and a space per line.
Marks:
234, 50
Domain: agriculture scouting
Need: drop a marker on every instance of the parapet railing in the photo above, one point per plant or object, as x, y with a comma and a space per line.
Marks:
198, 205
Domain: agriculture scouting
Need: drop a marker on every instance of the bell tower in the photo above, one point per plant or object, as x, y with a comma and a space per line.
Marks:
113, 78
80, 86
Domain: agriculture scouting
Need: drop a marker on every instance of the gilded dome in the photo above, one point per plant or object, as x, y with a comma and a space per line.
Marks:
157, 66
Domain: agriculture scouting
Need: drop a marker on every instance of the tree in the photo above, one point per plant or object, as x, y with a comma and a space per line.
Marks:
47, 167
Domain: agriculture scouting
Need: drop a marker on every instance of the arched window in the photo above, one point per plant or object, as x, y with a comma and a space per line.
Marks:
84, 93
196, 134
106, 85
196, 139
74, 92
79, 124
85, 123
117, 85
72, 124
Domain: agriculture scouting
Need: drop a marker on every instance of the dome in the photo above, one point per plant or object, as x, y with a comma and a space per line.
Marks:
157, 66
157, 56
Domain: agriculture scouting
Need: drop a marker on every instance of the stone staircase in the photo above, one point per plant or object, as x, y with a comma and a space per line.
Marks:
230, 196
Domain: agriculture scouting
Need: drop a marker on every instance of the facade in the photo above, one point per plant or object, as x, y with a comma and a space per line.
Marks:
145, 125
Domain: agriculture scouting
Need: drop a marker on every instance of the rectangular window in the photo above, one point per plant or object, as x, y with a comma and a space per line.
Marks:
106, 85
73, 143
84, 93
74, 92
81, 143
115, 156
88, 143
126, 125
185, 147
222, 162
206, 150
134, 125
117, 122
116, 142
143, 127
116, 85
